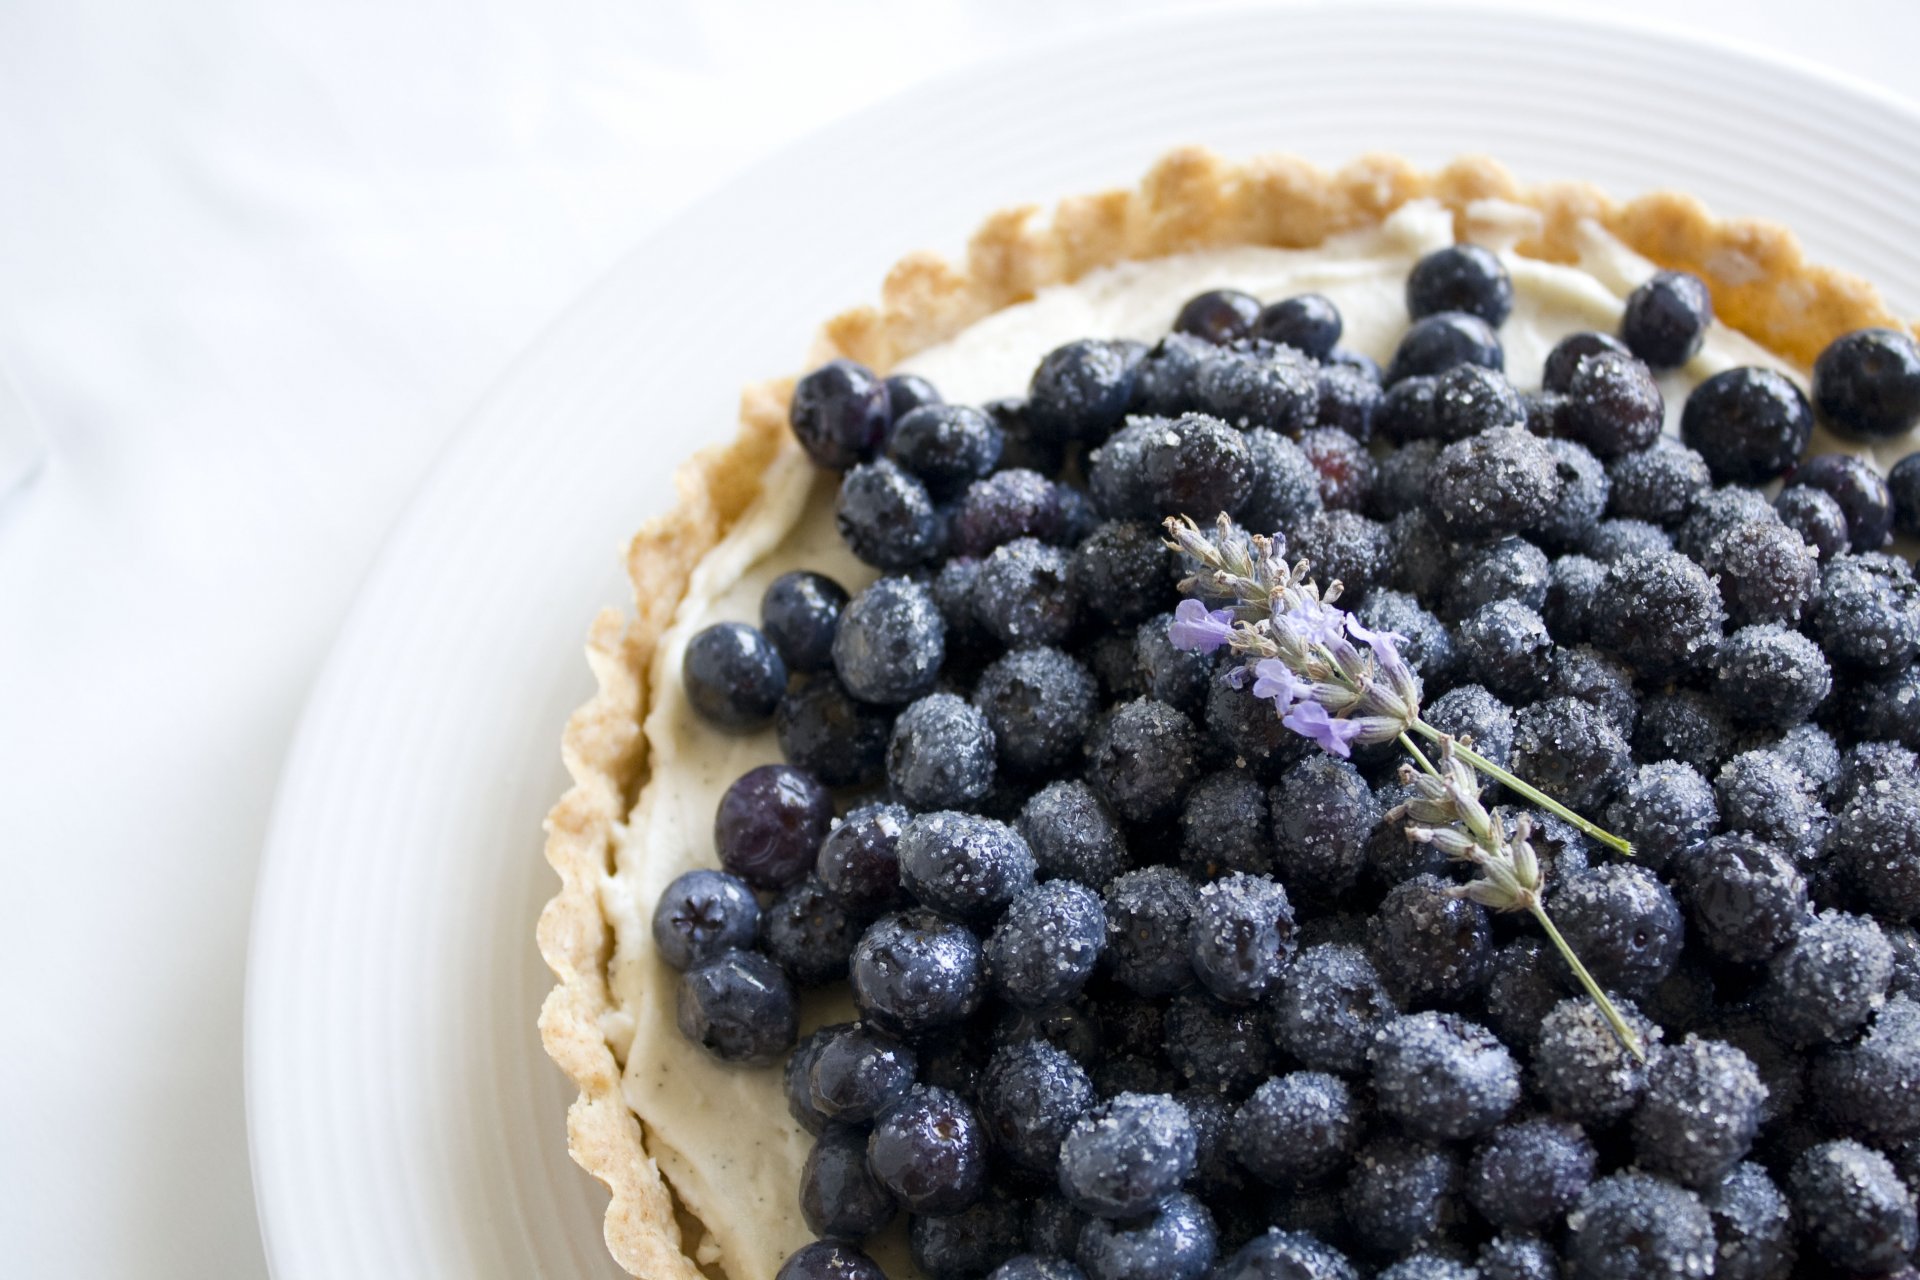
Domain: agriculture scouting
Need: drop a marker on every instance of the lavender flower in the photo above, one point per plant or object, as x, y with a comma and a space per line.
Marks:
1339, 683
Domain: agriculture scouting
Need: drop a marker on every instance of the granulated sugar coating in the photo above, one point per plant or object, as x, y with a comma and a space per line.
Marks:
1829, 982
1442, 1077
1701, 1110
1871, 1087
1581, 1070
1633, 1226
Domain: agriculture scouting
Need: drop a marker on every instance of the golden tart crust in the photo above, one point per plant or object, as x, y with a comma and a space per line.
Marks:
1192, 199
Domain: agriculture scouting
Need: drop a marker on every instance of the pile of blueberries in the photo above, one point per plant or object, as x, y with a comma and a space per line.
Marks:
1149, 986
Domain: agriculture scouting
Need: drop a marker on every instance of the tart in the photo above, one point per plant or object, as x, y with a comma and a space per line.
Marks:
702, 1160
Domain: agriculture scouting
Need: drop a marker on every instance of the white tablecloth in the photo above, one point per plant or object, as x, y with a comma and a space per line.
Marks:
256, 262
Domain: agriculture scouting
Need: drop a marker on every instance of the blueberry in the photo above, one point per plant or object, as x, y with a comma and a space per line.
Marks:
1715, 512
963, 865
1659, 612
830, 1260
1025, 594
1328, 1006
1215, 1047
1658, 483
1178, 677
1120, 570
1700, 1113
1323, 814
808, 934
1046, 945
1765, 572
1279, 390
1817, 518
1165, 384
1584, 490
1853, 1207
1015, 503
840, 414
1405, 413
1570, 750
1867, 1087
733, 676
1472, 711
1126, 1155
1557, 374
1827, 984
890, 643
859, 861
1581, 1070
1402, 1194
1510, 569
839, 1197
1219, 315
1903, 485
1149, 923
1525, 1175
1496, 483
1753, 1224
799, 613
1141, 758
1030, 1096
1623, 923
1666, 809
1297, 1129
909, 391
1520, 1258
929, 1152
1242, 936
1666, 319
824, 730
1343, 469
701, 914
1428, 944
1039, 704
1436, 343
1866, 615
1460, 277
1505, 646
1196, 466
1750, 424
859, 1072
770, 823
1073, 833
1863, 495
1769, 675
1425, 643
970, 1243
941, 753
1224, 825
1286, 1255
739, 1007
1307, 322
1442, 1077
915, 972
1628, 1226
1081, 391
886, 517
1684, 725
1174, 1241
1867, 384
1613, 405
946, 446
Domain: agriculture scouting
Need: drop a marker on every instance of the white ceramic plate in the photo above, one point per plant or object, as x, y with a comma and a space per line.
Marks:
404, 1120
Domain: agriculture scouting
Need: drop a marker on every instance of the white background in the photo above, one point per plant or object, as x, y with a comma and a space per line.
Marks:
256, 262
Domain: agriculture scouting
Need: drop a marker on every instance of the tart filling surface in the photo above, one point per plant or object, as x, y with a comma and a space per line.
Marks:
721, 1135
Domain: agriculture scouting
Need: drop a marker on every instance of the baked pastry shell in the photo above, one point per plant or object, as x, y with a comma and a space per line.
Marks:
1190, 200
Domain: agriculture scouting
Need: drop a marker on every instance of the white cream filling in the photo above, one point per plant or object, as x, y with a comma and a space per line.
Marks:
722, 1134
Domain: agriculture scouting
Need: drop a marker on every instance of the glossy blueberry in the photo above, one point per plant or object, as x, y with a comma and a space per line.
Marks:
796, 1078
1218, 315
941, 754
909, 391
830, 1260
1286, 1255
1081, 391
1666, 319
1567, 354
1817, 518
915, 972
840, 413
1175, 1241
839, 1197
1867, 384
963, 865
1863, 494
739, 1007
1033, 1266
701, 914
859, 1072
824, 730
1903, 483
733, 676
1308, 322
890, 642
799, 614
929, 1152
1436, 343
1750, 424
859, 861
1045, 947
948, 446
809, 934
1460, 277
1126, 1155
770, 823
1624, 925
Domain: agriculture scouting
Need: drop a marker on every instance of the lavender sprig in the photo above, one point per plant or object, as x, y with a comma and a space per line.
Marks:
1306, 657
1302, 653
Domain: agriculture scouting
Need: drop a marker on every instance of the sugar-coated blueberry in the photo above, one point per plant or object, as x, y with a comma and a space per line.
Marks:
830, 1260
1126, 1155
929, 1152
914, 972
